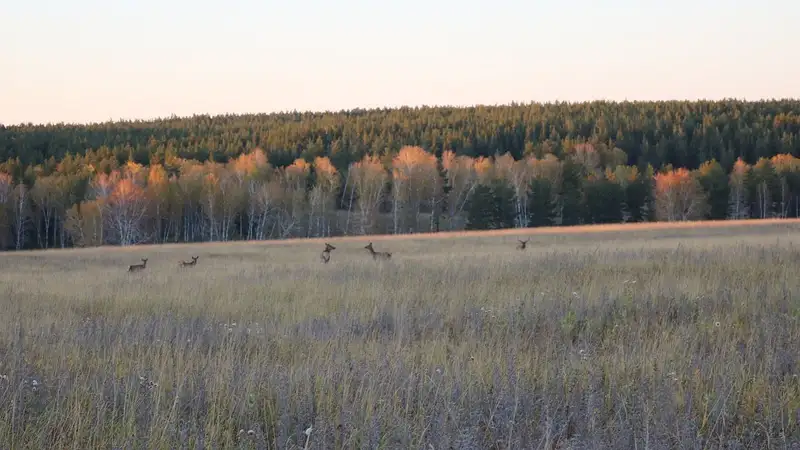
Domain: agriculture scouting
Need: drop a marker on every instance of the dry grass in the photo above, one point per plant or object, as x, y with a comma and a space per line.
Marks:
634, 337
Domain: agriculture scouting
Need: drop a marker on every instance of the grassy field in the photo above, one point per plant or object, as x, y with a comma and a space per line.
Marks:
667, 336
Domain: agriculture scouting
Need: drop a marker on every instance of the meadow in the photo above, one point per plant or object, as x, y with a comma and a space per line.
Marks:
644, 336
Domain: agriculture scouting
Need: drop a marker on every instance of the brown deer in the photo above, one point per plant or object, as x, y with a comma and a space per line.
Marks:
378, 255
325, 256
522, 244
189, 263
137, 267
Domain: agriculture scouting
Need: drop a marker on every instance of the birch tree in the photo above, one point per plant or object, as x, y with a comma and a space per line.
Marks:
738, 205
45, 196
125, 213
787, 169
461, 178
264, 198
518, 175
294, 181
6, 190
679, 196
100, 189
414, 182
369, 180
223, 196
232, 201
83, 222
322, 199
190, 186
762, 184
158, 195
21, 211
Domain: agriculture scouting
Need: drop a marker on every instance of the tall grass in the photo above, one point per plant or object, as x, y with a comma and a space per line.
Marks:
683, 338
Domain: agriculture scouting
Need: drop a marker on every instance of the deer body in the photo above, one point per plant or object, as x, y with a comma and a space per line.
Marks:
522, 244
137, 267
378, 255
325, 256
189, 263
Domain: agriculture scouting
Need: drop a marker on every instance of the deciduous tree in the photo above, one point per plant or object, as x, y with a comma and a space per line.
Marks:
369, 179
679, 196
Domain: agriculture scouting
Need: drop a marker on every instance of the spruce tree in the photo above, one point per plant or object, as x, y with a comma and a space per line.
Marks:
571, 193
715, 184
541, 207
604, 200
479, 208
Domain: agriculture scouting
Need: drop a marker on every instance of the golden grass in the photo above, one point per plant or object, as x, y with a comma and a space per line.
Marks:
660, 335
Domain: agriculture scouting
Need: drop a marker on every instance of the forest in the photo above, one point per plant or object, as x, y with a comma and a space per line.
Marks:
405, 170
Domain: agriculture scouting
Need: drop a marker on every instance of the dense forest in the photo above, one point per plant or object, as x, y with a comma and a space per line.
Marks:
274, 176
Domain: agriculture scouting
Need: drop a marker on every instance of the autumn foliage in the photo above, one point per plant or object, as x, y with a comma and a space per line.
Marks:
678, 196
182, 200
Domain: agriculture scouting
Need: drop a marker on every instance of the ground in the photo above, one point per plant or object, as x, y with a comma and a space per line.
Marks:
650, 336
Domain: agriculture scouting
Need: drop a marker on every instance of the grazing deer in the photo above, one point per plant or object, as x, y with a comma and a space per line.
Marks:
326, 254
522, 244
188, 263
137, 267
378, 255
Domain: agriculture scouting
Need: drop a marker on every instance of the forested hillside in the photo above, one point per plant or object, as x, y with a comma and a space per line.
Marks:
396, 171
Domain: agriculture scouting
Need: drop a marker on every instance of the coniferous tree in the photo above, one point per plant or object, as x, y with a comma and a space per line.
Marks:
480, 208
491, 207
504, 205
571, 193
541, 208
603, 201
714, 180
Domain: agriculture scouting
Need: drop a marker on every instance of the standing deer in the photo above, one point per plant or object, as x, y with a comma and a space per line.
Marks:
522, 244
137, 267
188, 263
325, 256
378, 255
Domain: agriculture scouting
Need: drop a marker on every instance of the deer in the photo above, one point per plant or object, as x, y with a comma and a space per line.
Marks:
189, 263
522, 244
137, 267
325, 256
378, 255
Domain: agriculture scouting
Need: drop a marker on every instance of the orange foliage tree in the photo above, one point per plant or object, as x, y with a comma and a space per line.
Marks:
369, 179
679, 196
415, 183
322, 198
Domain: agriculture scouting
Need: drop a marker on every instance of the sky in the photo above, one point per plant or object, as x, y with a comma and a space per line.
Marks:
83, 61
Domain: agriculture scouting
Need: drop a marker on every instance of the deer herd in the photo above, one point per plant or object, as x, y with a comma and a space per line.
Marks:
325, 256
138, 267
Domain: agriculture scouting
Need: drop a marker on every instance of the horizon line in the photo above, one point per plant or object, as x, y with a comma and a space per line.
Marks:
369, 109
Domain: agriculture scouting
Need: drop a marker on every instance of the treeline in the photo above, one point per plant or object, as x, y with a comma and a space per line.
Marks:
396, 171
184, 200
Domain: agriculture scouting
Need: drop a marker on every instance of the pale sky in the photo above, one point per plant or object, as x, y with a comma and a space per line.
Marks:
93, 60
